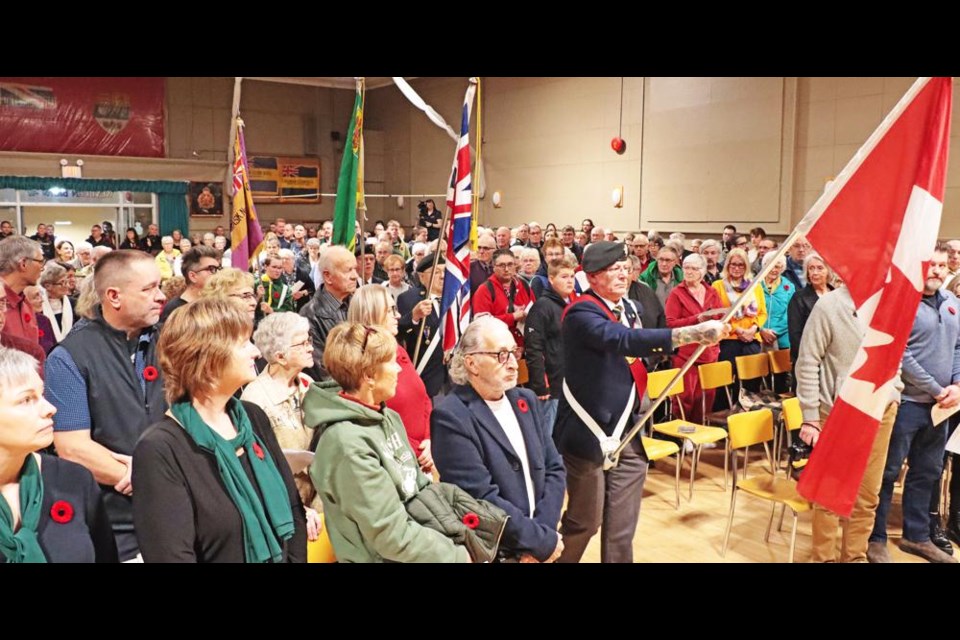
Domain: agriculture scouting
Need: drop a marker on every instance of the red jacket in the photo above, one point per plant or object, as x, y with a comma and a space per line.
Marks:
682, 310
411, 402
499, 304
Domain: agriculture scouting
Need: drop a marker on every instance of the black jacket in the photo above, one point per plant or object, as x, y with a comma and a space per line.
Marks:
323, 312
798, 311
652, 314
544, 344
434, 376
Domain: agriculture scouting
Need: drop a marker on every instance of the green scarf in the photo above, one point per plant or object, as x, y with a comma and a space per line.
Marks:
264, 524
24, 546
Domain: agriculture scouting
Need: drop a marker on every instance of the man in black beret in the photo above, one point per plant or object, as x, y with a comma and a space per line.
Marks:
605, 381
413, 306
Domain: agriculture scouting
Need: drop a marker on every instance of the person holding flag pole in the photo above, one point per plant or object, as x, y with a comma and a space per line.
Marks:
897, 178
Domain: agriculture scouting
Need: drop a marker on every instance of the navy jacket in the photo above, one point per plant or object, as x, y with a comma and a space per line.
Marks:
434, 374
595, 369
471, 451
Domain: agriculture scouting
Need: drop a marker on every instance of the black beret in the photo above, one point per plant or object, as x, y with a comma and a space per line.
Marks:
600, 255
427, 262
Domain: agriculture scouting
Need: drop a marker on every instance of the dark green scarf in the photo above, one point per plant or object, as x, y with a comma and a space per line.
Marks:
23, 546
266, 523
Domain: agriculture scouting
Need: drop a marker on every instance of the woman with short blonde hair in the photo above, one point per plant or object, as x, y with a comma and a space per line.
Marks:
234, 284
364, 469
212, 483
372, 305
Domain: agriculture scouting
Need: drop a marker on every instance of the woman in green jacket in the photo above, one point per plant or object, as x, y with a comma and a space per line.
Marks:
364, 469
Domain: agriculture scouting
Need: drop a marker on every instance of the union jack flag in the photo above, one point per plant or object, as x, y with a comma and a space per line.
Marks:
455, 303
290, 171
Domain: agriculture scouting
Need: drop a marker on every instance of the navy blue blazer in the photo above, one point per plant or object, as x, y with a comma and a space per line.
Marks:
472, 451
435, 372
595, 369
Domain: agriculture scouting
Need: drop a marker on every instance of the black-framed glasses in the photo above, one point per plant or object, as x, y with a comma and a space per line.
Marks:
212, 269
501, 356
505, 265
38, 260
249, 295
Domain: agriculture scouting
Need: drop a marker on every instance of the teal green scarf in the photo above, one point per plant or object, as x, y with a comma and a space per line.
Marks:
264, 524
23, 546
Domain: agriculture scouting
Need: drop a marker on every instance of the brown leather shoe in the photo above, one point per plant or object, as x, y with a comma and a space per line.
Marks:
926, 550
877, 553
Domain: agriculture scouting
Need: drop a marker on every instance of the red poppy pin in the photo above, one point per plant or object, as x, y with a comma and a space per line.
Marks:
786, 287
304, 382
522, 405
472, 520
276, 295
61, 512
150, 373
27, 317
952, 311
257, 450
40, 333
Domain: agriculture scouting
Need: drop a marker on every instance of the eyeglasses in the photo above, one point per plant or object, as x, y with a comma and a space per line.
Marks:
738, 265
504, 265
214, 268
302, 345
59, 283
485, 248
249, 295
38, 260
501, 356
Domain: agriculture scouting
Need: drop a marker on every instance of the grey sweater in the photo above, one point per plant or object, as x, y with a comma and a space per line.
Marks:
932, 358
830, 341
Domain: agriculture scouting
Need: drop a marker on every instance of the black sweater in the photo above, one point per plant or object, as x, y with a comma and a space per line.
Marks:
544, 344
181, 509
86, 536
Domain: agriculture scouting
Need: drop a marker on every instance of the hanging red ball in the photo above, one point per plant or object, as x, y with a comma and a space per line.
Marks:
618, 144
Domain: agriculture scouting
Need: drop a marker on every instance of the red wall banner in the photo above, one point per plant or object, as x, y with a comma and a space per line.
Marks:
96, 116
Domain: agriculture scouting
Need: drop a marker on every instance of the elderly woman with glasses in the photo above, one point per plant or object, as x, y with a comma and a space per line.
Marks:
212, 482
817, 276
373, 306
364, 469
55, 304
50, 509
283, 339
690, 303
744, 340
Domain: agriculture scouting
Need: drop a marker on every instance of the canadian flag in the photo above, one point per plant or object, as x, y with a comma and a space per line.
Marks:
877, 230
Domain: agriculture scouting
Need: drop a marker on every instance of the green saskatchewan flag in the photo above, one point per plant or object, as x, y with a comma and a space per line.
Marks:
350, 184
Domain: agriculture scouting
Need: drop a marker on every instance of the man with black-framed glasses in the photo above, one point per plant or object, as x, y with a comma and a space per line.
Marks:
197, 265
504, 295
21, 261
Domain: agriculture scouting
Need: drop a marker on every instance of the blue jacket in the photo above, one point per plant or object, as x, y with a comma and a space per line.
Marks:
777, 304
471, 451
595, 369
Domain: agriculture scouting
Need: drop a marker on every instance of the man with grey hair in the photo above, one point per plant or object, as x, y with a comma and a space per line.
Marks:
536, 236
84, 255
604, 383
491, 441
597, 234
503, 237
710, 250
329, 305
522, 235
21, 261
105, 381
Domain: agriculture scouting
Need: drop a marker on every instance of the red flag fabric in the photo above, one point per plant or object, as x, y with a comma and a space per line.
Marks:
878, 234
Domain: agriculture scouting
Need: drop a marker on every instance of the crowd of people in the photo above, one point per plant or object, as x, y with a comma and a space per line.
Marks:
157, 404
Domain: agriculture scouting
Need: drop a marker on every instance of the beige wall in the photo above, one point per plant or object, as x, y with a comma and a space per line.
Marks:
547, 146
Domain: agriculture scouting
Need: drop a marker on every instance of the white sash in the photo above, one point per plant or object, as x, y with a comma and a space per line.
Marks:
61, 329
608, 444
433, 344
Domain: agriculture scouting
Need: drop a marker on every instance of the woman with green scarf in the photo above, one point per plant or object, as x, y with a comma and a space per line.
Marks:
212, 482
50, 509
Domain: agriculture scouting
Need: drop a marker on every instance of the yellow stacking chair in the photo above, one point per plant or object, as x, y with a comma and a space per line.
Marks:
320, 551
660, 449
779, 363
717, 375
756, 427
697, 434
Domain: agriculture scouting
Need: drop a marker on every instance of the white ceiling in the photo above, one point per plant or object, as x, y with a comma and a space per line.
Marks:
333, 83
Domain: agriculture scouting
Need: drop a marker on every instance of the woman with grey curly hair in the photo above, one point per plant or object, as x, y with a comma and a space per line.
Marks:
56, 301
